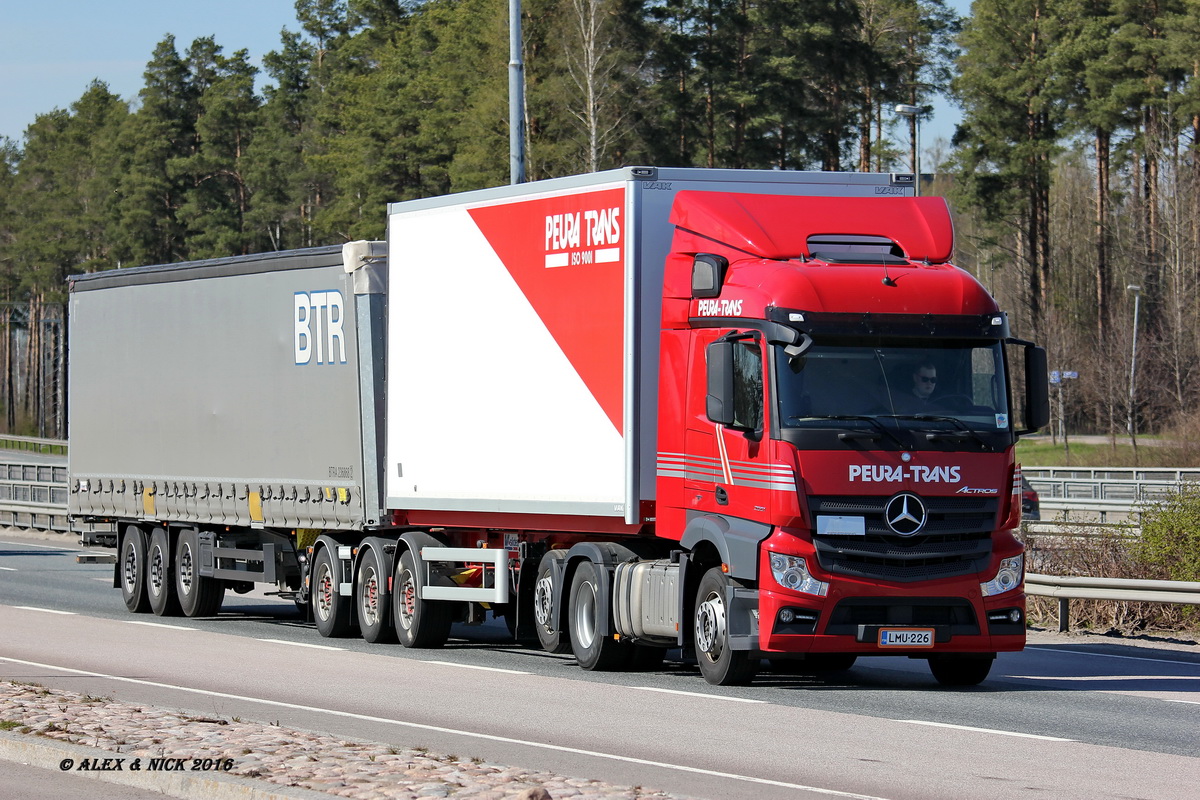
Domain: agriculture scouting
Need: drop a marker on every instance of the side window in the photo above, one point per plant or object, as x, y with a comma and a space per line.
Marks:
747, 385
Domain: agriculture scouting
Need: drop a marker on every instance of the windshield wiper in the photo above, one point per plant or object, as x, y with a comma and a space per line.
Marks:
964, 431
879, 426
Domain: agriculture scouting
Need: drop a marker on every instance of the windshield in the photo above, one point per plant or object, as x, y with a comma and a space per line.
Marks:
958, 383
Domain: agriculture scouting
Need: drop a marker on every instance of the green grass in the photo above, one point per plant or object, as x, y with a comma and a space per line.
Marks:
1041, 452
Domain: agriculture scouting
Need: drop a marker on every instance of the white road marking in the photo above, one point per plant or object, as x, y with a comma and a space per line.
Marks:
47, 610
43, 546
983, 730
453, 731
305, 644
156, 625
1110, 655
473, 666
9, 569
696, 694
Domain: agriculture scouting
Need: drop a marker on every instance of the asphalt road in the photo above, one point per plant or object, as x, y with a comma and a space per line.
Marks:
1065, 718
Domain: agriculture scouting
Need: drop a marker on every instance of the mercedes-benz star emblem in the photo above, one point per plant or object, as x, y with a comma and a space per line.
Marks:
905, 514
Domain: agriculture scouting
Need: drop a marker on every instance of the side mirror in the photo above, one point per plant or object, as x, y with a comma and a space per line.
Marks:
1037, 389
719, 398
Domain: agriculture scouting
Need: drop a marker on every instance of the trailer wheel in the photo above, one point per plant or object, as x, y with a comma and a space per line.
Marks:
719, 664
960, 669
198, 596
547, 624
159, 584
419, 623
133, 570
592, 650
370, 589
331, 611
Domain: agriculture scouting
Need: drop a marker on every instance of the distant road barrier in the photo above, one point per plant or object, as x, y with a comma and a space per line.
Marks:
33, 495
52, 446
1101, 492
1081, 588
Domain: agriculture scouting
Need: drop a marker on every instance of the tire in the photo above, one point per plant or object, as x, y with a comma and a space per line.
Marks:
420, 624
592, 650
719, 664
160, 582
330, 610
132, 570
198, 596
961, 670
371, 596
549, 635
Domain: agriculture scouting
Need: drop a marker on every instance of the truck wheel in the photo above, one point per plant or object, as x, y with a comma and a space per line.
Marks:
549, 635
592, 650
331, 611
719, 664
370, 589
198, 596
159, 585
961, 669
133, 570
419, 623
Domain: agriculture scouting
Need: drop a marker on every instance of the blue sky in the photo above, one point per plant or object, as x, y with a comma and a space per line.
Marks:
50, 50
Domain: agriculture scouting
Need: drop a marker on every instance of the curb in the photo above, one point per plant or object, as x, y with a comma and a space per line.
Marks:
48, 754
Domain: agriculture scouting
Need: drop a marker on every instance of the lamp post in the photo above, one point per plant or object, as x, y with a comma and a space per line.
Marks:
914, 134
1137, 296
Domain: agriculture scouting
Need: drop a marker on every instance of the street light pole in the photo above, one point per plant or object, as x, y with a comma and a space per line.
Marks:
1130, 423
914, 134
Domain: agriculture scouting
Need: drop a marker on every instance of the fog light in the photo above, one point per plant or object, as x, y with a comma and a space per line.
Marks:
1014, 615
786, 616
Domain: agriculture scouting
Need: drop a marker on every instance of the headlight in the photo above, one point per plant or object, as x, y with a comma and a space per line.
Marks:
791, 572
1008, 577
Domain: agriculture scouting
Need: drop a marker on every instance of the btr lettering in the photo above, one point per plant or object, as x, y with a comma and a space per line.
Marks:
319, 335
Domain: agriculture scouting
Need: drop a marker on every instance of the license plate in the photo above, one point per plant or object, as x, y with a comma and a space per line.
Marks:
906, 637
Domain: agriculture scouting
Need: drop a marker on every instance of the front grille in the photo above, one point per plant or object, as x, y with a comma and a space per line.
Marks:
956, 539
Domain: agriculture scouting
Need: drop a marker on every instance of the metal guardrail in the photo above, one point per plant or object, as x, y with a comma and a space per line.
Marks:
33, 495
29, 443
1083, 588
1103, 491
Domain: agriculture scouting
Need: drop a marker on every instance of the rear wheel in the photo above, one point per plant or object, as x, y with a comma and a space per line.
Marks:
961, 669
419, 623
133, 570
331, 611
593, 650
198, 596
719, 663
370, 586
550, 636
160, 587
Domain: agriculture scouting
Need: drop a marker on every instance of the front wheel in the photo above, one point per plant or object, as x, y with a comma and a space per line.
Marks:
719, 663
198, 596
961, 670
133, 570
419, 623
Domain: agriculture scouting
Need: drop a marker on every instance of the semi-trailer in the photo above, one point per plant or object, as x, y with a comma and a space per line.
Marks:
747, 414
